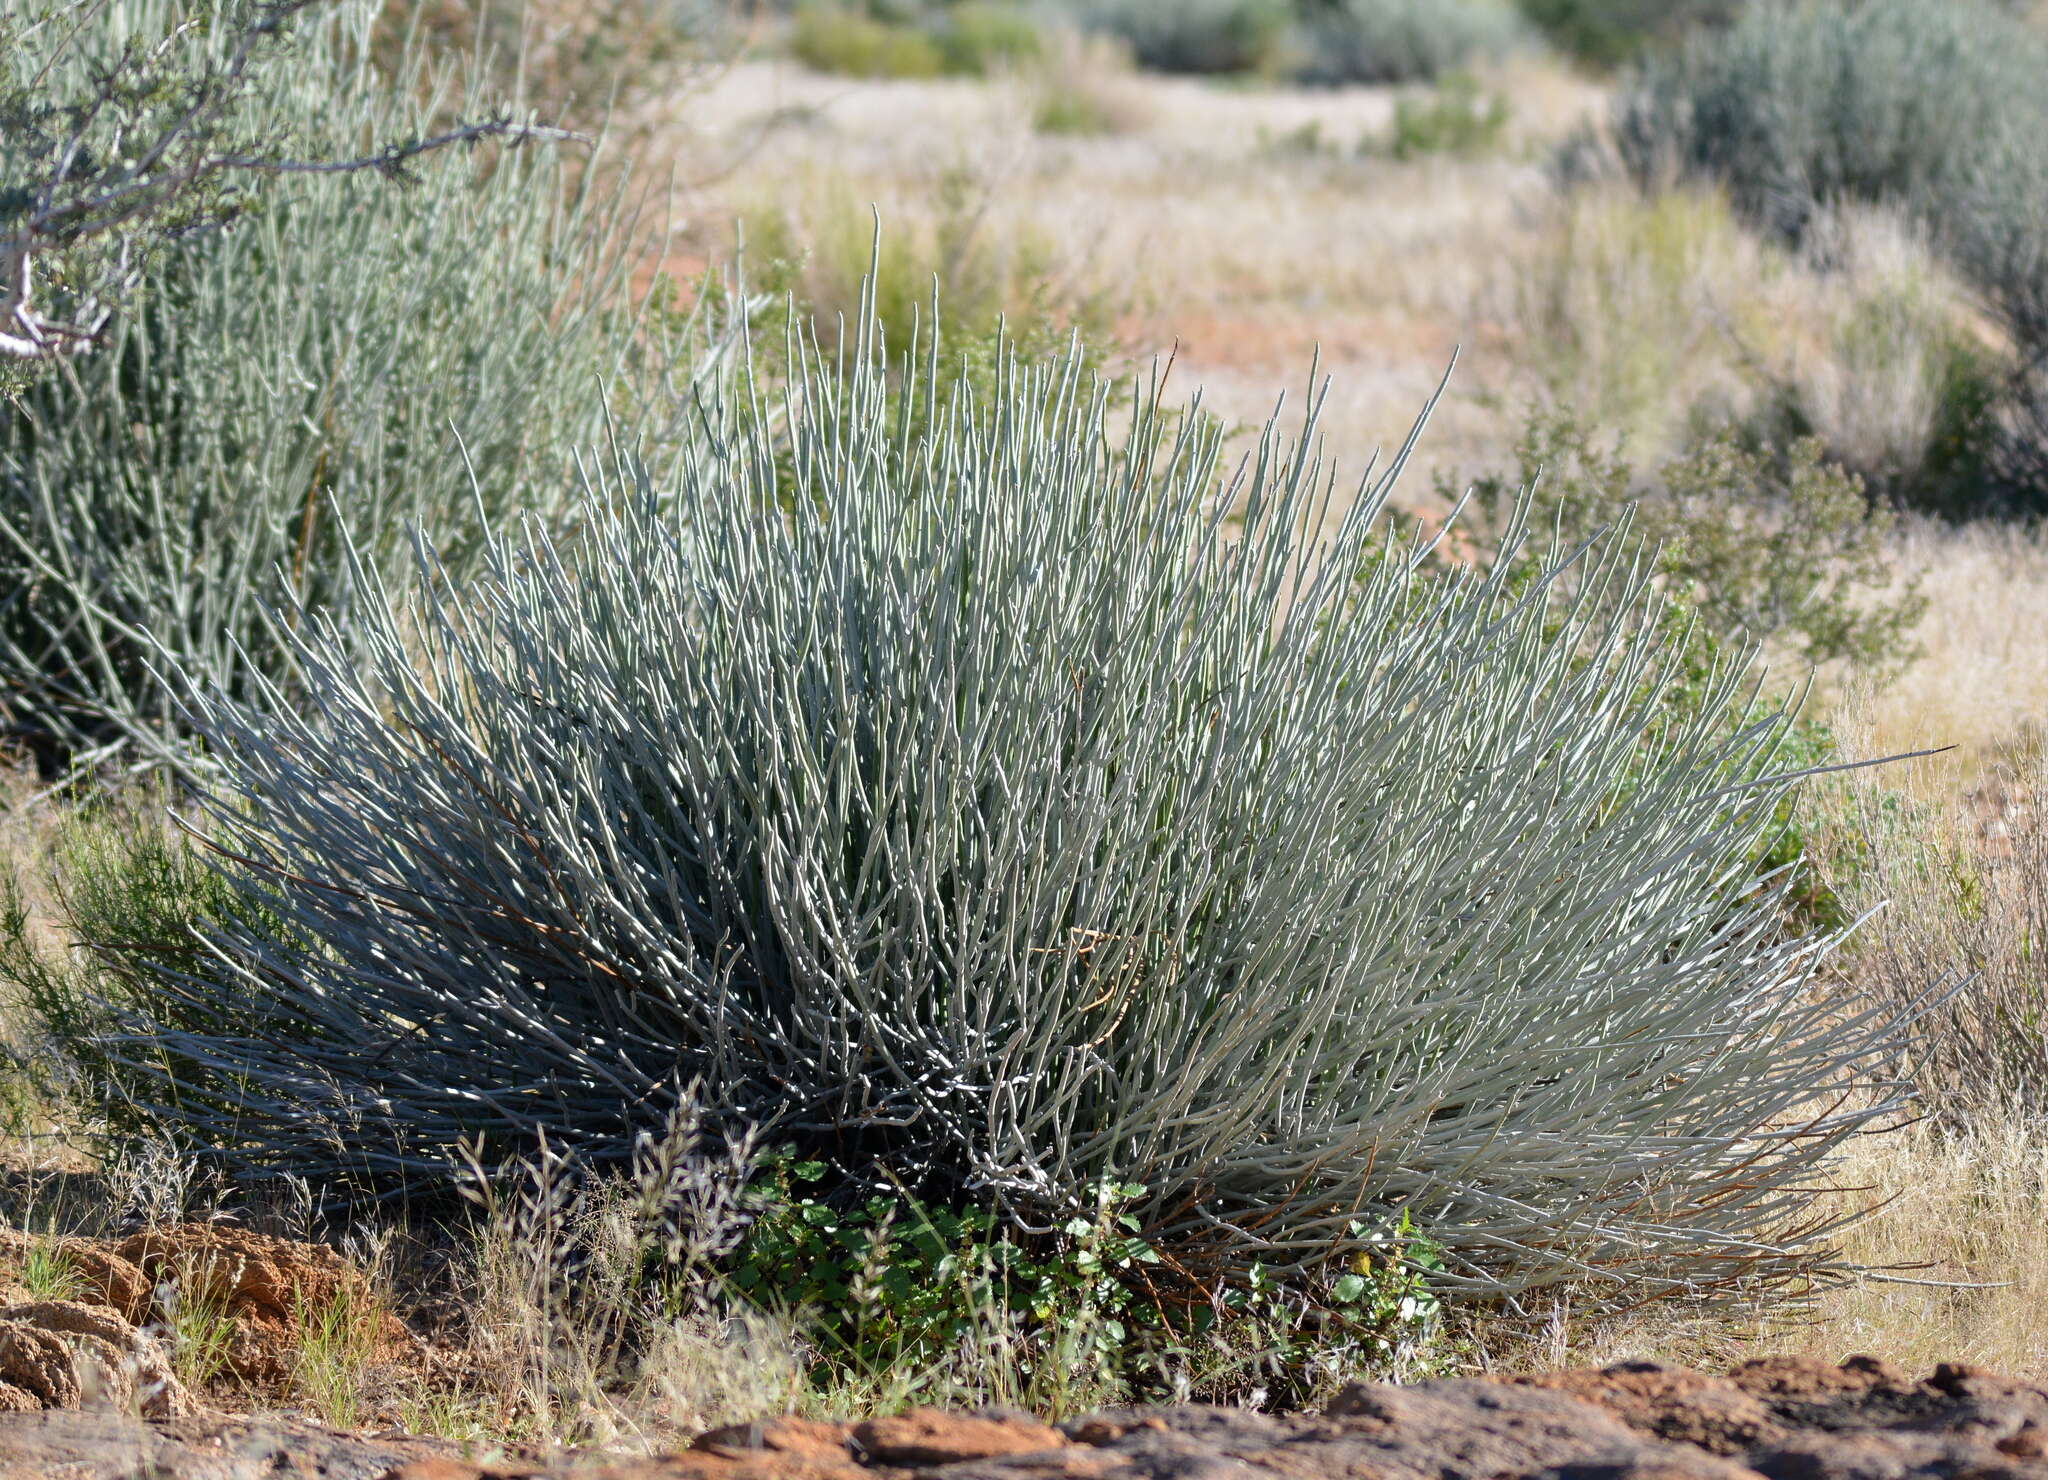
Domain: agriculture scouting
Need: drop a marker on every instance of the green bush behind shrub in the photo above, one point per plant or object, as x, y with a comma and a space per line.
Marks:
1766, 545
1456, 117
354, 355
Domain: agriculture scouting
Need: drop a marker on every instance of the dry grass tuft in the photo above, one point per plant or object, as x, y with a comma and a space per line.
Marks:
1984, 678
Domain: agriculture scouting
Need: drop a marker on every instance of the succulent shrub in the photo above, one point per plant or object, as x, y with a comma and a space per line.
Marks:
1931, 106
351, 347
1005, 798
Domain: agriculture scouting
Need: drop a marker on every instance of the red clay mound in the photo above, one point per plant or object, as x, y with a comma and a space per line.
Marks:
98, 1339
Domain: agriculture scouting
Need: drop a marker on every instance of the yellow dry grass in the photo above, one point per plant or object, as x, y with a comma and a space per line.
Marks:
1983, 681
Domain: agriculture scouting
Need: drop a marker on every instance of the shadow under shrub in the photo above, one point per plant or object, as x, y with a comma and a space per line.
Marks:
1002, 801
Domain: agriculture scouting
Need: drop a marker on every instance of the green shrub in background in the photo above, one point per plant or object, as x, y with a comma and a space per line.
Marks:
1205, 37
972, 40
1367, 41
1767, 546
978, 39
1799, 105
1933, 106
826, 263
355, 355
831, 38
1607, 33
1328, 42
573, 59
955, 791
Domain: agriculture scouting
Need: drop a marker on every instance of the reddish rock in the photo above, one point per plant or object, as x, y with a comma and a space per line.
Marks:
1672, 1403
798, 1436
927, 1436
1779, 1419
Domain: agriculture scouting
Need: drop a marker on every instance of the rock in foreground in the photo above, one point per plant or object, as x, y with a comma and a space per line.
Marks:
1777, 1419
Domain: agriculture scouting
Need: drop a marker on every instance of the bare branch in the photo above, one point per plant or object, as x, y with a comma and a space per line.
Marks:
392, 161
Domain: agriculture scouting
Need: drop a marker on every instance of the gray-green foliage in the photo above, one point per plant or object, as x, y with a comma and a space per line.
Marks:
1606, 33
121, 127
1935, 106
354, 348
1354, 41
970, 789
1199, 36
1317, 41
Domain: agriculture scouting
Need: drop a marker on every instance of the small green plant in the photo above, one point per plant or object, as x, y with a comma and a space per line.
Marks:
125, 888
336, 1340
1074, 112
200, 1329
1375, 1315
1086, 1314
1456, 117
890, 1284
1305, 140
51, 1274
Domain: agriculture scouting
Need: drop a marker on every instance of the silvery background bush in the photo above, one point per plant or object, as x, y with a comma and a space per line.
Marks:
993, 795
1369, 41
1932, 106
354, 349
